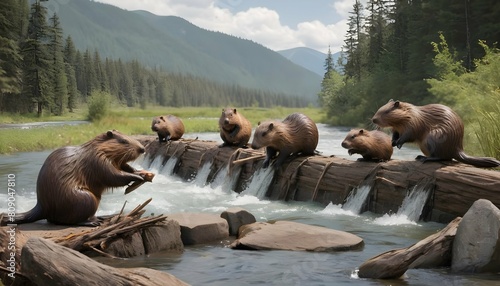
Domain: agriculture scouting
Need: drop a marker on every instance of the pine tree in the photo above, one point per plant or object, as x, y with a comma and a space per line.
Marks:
329, 65
352, 47
58, 71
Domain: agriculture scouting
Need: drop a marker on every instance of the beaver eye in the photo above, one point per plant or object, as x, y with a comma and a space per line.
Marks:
264, 133
353, 136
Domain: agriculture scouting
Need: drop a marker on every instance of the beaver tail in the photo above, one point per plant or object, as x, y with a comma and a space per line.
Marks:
30, 216
482, 162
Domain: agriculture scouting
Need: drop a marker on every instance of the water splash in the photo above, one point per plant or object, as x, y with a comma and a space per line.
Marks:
333, 210
410, 210
357, 199
259, 183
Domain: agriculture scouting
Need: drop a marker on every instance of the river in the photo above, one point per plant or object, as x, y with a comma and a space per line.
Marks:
216, 264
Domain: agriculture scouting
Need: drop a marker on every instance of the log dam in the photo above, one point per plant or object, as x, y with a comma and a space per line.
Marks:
453, 186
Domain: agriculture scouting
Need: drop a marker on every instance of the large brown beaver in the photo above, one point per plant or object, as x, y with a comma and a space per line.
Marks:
72, 179
235, 129
297, 133
168, 127
372, 145
436, 128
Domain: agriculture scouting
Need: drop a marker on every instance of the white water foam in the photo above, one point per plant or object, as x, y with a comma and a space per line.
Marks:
202, 175
332, 210
410, 210
259, 183
357, 198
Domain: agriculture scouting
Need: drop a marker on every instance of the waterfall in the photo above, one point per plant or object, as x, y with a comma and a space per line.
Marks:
168, 168
202, 175
226, 181
259, 183
157, 164
357, 199
411, 208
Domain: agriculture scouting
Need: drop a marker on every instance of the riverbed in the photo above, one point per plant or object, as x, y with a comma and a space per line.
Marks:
216, 264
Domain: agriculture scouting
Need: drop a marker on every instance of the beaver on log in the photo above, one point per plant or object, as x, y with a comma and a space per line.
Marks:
297, 133
72, 179
436, 128
235, 129
168, 127
373, 145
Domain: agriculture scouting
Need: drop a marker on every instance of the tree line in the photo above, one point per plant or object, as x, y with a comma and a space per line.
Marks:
42, 72
412, 51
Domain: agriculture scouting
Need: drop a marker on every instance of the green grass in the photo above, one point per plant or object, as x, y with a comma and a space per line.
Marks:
131, 121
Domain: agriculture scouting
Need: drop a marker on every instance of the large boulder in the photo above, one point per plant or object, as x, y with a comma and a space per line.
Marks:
197, 228
237, 217
477, 245
47, 263
287, 235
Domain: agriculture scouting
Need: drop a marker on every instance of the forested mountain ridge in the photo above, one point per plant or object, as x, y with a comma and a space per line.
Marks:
175, 45
310, 59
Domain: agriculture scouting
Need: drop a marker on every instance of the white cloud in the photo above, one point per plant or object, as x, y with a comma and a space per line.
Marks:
258, 24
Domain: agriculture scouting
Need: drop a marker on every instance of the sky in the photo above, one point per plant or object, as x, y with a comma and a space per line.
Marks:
275, 24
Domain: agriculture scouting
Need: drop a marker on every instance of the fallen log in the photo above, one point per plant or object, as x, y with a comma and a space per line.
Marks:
433, 251
453, 186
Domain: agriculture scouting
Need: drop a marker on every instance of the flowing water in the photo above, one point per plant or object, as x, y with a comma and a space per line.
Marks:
219, 265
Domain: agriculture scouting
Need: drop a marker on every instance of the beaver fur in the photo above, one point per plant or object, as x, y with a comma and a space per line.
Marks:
297, 133
235, 129
436, 128
72, 179
168, 127
373, 145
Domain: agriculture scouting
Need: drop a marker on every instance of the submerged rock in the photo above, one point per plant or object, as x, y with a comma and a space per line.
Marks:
287, 235
477, 244
197, 228
236, 217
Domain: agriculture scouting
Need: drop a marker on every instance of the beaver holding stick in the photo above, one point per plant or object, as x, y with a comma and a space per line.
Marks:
72, 179
436, 128
297, 133
235, 129
372, 145
168, 127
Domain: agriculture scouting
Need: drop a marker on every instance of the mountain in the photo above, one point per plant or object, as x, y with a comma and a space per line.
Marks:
309, 58
175, 45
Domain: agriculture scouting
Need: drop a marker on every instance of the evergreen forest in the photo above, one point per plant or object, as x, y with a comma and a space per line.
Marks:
42, 72
420, 51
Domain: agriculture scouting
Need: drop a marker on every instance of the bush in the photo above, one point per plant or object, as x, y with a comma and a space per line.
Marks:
98, 104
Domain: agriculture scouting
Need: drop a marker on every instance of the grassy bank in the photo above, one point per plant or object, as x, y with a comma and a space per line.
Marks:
132, 121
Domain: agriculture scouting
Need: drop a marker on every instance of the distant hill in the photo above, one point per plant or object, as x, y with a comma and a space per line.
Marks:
175, 45
310, 59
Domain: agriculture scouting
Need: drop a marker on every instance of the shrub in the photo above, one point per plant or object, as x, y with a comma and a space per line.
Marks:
98, 105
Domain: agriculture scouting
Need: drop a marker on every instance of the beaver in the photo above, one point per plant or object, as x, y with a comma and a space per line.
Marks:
373, 145
297, 133
436, 128
72, 179
235, 129
168, 127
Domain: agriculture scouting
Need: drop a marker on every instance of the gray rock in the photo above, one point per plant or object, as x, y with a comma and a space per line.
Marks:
287, 235
126, 246
237, 217
166, 236
197, 228
476, 247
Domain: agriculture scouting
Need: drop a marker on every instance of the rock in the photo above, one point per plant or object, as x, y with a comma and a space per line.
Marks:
166, 236
477, 245
199, 228
47, 263
287, 235
237, 217
128, 246
433, 251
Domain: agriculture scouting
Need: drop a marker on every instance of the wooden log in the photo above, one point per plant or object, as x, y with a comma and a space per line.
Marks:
47, 263
433, 251
454, 186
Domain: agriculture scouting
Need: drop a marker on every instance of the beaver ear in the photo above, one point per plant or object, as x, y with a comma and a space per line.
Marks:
234, 111
161, 117
271, 126
361, 131
109, 134
396, 103
258, 123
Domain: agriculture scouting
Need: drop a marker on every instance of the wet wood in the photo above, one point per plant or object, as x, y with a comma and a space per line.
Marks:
454, 186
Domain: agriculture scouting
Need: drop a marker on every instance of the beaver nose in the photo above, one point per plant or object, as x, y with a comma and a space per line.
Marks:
344, 144
226, 121
375, 120
142, 150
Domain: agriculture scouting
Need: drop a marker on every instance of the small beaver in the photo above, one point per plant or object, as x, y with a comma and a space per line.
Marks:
235, 129
72, 179
168, 127
436, 128
372, 145
297, 133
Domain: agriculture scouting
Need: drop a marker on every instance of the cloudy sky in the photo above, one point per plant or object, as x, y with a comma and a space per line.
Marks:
276, 24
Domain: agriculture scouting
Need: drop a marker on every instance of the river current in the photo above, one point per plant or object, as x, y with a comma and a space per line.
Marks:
217, 264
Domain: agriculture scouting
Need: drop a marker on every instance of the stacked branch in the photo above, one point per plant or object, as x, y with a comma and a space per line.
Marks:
98, 238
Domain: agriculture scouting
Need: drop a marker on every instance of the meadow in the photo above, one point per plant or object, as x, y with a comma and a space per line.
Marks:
130, 121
